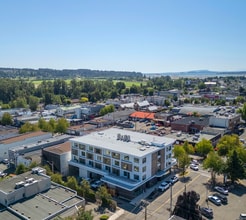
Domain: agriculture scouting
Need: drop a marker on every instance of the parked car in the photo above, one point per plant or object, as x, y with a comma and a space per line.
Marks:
215, 200
223, 198
221, 190
194, 167
174, 179
96, 184
207, 212
164, 186
2, 174
242, 216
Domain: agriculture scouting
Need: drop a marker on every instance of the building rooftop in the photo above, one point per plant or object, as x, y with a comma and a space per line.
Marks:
135, 143
22, 137
147, 115
8, 185
8, 132
49, 204
59, 148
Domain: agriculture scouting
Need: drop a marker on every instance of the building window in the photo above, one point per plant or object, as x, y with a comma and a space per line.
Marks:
144, 160
98, 166
117, 163
75, 145
74, 152
107, 153
82, 161
126, 174
144, 169
126, 158
136, 160
126, 166
99, 158
136, 177
108, 168
91, 164
90, 148
136, 168
107, 161
144, 177
98, 151
81, 146
89, 156
116, 155
116, 171
75, 158
82, 153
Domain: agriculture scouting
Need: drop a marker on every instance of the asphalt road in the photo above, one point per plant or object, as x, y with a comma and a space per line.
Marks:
158, 209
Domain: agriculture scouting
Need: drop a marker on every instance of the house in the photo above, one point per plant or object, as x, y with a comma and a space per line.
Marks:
73, 111
126, 161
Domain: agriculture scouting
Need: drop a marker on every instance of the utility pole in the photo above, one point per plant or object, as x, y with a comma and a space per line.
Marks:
171, 199
145, 211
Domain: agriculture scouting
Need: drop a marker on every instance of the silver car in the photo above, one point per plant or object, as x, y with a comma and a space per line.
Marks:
215, 200
221, 190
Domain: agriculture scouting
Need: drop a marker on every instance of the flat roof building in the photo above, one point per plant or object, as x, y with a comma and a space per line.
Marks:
126, 161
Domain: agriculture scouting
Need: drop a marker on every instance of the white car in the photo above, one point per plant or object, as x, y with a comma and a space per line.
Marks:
221, 190
164, 186
215, 200
194, 167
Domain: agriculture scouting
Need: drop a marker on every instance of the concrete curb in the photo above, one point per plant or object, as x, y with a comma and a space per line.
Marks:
116, 215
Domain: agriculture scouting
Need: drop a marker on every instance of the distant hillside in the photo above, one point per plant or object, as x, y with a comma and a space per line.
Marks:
65, 74
198, 74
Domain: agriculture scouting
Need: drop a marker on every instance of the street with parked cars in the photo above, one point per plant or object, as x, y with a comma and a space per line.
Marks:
158, 207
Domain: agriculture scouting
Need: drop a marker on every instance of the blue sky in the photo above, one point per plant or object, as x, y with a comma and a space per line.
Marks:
128, 35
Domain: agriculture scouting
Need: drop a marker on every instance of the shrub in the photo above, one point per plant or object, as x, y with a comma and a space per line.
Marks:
104, 217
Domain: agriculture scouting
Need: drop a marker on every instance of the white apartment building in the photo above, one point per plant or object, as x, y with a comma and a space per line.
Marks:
126, 161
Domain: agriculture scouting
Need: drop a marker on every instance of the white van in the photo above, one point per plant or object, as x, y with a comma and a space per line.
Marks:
242, 216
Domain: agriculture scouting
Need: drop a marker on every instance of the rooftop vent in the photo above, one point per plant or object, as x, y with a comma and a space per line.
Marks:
142, 149
19, 184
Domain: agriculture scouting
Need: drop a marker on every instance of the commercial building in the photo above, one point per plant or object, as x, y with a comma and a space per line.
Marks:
32, 195
126, 161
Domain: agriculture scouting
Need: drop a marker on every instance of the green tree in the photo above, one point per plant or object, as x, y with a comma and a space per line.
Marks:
186, 206
228, 143
57, 178
215, 163
28, 127
84, 188
242, 111
21, 168
62, 125
84, 214
184, 161
6, 119
189, 149
103, 195
72, 183
33, 103
235, 168
203, 147
178, 151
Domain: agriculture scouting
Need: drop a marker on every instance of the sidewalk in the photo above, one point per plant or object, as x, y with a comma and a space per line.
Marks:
137, 200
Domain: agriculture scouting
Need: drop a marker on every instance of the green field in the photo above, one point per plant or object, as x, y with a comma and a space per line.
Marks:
127, 83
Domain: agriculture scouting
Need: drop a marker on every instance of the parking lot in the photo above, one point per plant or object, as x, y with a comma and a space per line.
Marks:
159, 208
